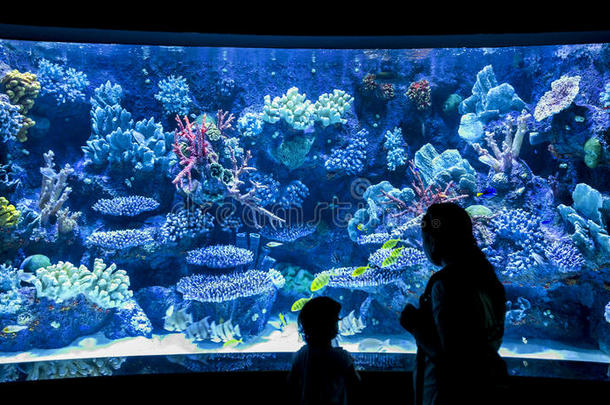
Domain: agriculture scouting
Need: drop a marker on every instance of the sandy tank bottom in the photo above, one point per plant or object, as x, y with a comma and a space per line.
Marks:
273, 340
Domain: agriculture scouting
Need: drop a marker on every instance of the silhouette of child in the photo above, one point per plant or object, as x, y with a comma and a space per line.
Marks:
459, 324
321, 374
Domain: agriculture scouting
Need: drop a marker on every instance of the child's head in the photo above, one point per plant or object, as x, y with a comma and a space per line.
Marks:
318, 320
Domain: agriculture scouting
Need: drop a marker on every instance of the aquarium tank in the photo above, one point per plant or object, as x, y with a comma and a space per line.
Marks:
168, 208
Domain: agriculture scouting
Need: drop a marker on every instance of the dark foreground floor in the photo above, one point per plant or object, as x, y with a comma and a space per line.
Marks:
268, 388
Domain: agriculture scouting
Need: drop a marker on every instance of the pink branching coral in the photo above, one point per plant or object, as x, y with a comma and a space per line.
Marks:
190, 146
419, 93
425, 195
502, 159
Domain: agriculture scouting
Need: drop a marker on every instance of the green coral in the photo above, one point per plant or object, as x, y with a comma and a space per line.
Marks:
9, 215
293, 151
104, 286
593, 152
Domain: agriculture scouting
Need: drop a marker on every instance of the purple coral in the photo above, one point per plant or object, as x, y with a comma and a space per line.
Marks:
225, 287
219, 256
125, 206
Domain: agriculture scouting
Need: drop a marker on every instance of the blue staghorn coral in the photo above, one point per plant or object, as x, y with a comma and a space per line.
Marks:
288, 233
130, 206
394, 144
220, 256
226, 287
122, 239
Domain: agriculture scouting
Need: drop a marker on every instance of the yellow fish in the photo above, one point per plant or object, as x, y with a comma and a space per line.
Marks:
392, 258
13, 328
283, 322
361, 227
320, 281
232, 342
274, 244
390, 244
359, 271
299, 304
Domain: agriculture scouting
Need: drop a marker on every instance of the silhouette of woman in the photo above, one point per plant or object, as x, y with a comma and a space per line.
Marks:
459, 324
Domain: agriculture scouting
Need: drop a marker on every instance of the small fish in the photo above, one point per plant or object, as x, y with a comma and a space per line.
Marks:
273, 244
283, 322
361, 227
320, 281
358, 271
13, 328
524, 340
488, 192
232, 342
373, 345
390, 244
139, 138
299, 304
392, 258
55, 324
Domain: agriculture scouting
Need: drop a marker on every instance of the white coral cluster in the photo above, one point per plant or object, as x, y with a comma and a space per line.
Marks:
103, 286
292, 107
300, 113
331, 107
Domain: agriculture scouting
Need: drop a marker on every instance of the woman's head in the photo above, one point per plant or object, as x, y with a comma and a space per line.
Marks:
318, 320
447, 233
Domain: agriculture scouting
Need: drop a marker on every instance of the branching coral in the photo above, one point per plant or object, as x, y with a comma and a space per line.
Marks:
502, 159
425, 195
288, 233
190, 146
186, 224
350, 159
125, 206
64, 85
248, 198
220, 256
174, 95
394, 143
116, 240
226, 287
54, 192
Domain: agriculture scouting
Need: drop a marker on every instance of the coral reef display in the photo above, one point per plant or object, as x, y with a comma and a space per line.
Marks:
156, 201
